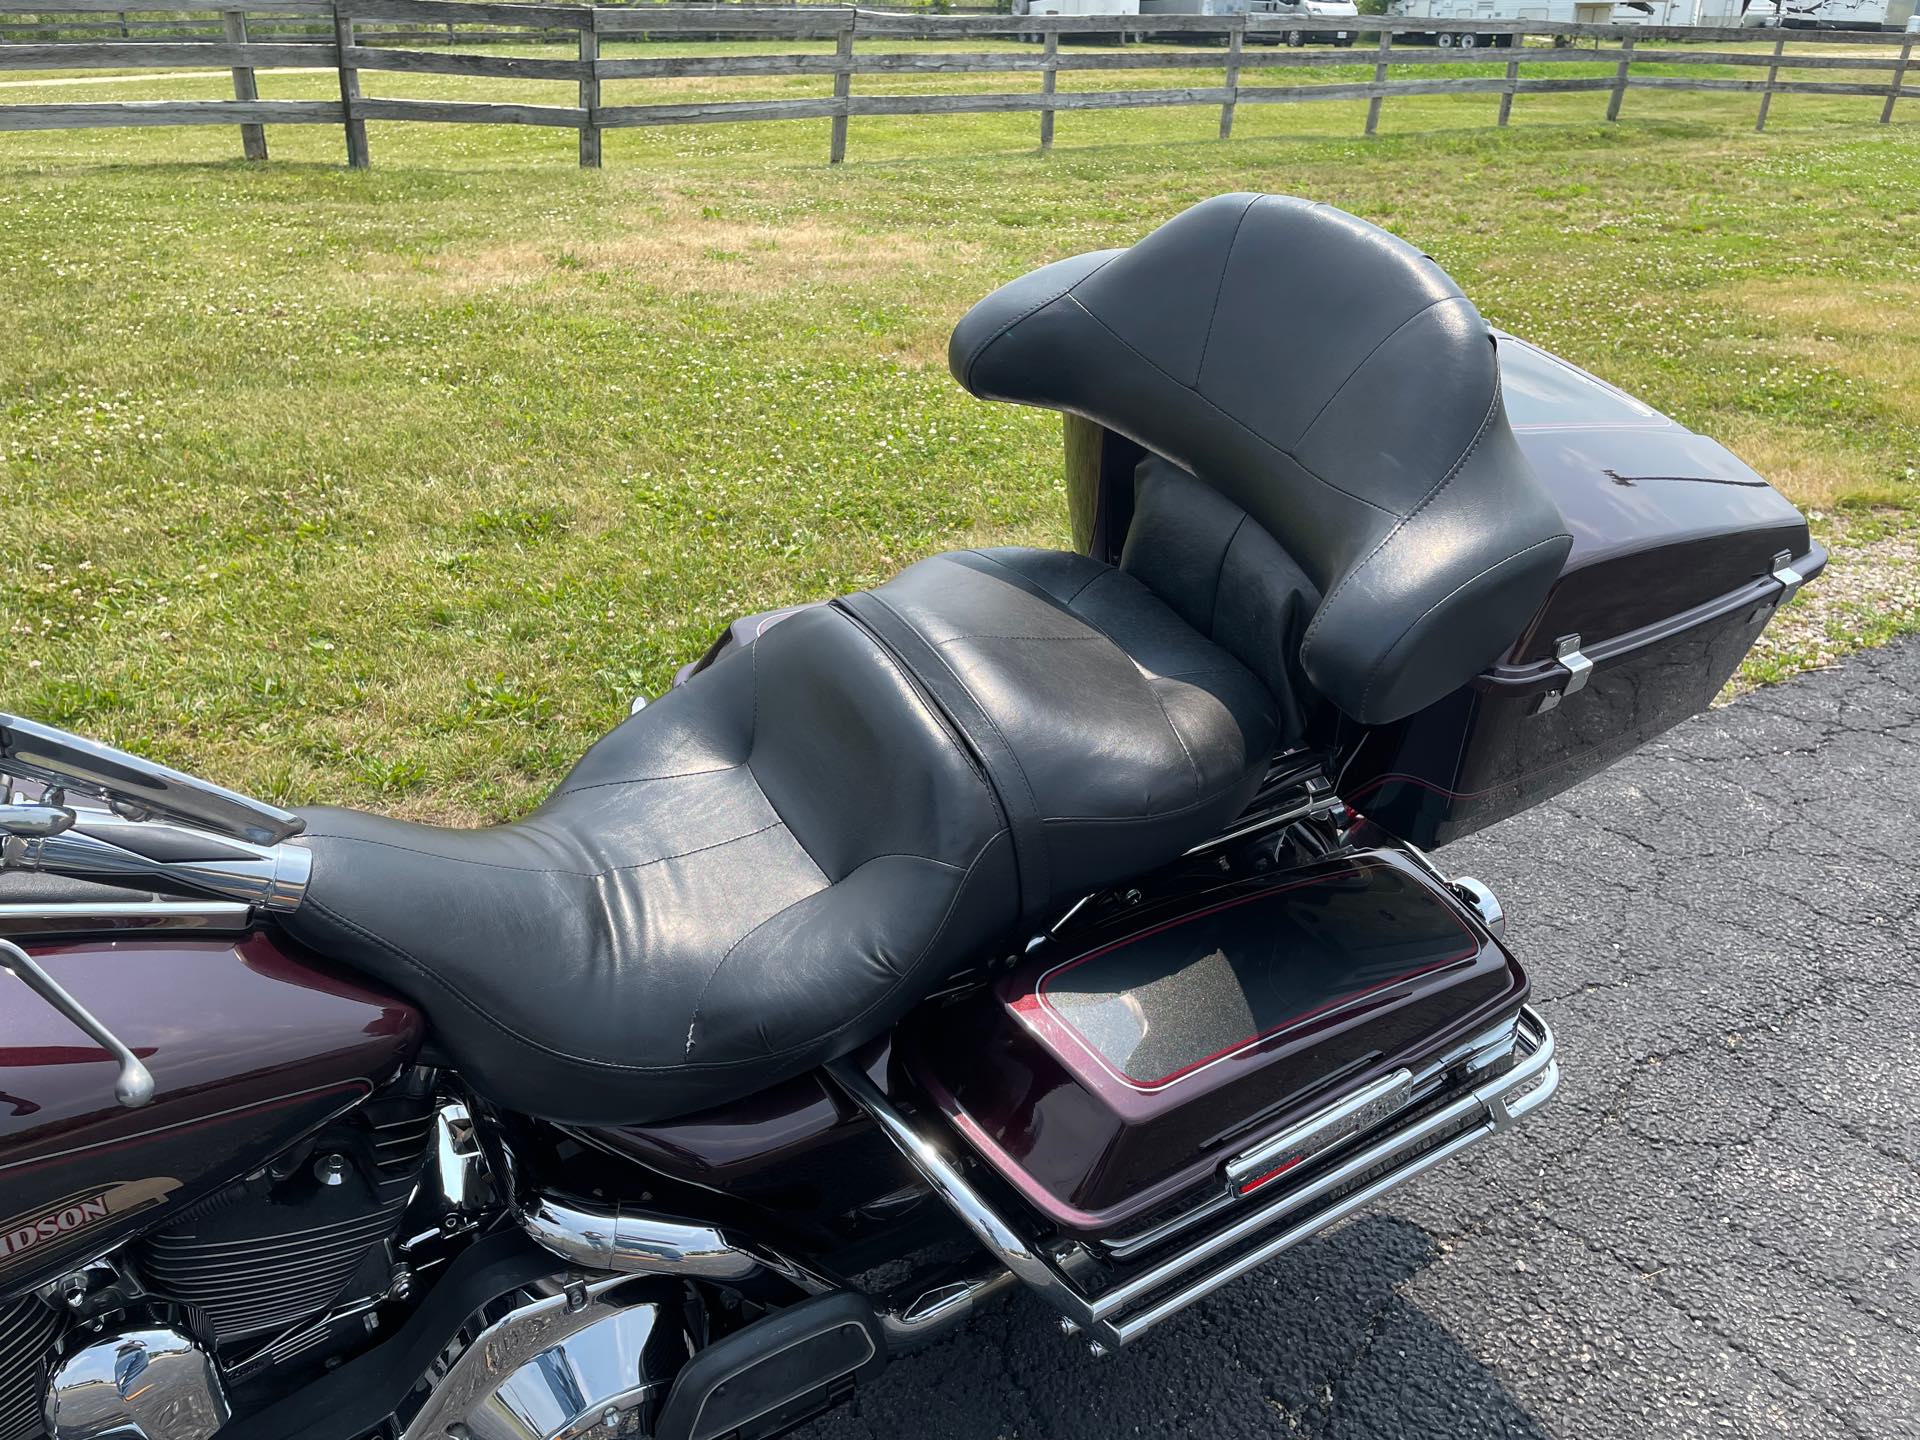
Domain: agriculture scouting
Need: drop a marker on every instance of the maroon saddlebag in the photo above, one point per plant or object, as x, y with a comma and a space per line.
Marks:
1164, 1057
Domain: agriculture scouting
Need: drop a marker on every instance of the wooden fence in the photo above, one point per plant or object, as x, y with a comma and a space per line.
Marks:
352, 36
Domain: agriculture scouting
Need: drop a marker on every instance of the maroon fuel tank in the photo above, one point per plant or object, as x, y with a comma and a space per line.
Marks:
252, 1043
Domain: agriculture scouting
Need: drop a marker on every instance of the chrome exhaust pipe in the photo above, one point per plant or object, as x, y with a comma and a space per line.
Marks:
929, 1311
628, 1241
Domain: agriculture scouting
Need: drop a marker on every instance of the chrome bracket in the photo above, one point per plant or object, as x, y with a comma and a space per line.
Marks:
1790, 579
134, 1085
1579, 670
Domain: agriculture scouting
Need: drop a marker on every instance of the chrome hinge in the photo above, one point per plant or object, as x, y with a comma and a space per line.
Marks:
1579, 670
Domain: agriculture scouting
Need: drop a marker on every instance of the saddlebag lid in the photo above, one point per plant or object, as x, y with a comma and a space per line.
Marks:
1131, 1070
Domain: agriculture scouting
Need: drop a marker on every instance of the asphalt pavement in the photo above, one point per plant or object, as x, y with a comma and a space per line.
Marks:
1713, 1229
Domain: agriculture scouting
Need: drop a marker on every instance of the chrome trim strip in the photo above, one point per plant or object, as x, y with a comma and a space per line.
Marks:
1496, 1104
1347, 1115
1146, 1239
79, 917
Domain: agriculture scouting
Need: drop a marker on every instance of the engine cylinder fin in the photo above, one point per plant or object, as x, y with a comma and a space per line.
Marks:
27, 1331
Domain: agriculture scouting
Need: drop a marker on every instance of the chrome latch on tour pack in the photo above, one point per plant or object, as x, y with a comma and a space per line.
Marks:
1579, 670
1790, 579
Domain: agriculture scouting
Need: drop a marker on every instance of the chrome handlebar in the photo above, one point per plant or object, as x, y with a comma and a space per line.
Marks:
136, 788
159, 829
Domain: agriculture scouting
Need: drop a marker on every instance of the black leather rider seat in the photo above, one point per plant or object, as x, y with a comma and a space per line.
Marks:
773, 863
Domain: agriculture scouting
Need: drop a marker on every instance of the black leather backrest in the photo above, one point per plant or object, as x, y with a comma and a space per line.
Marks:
1331, 381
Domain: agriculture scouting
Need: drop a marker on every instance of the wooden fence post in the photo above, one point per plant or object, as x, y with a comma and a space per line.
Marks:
357, 156
842, 89
1513, 78
1620, 80
1773, 74
1899, 79
1234, 39
253, 138
1379, 79
590, 89
1049, 70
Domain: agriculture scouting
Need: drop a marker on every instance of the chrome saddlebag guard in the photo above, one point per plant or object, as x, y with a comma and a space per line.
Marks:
1157, 1111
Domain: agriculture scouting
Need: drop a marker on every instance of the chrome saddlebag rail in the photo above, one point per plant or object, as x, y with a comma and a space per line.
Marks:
1142, 1295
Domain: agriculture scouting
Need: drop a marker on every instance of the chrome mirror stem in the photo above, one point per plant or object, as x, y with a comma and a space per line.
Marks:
134, 1086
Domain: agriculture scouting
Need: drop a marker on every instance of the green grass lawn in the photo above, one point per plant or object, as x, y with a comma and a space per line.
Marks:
392, 487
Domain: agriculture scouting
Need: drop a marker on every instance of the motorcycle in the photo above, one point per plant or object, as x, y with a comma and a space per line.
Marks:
1057, 920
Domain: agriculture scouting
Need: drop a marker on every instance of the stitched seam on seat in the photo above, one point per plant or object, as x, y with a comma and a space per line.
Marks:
971, 635
753, 735
1220, 572
926, 949
1235, 421
1234, 669
1486, 422
544, 870
408, 957
1029, 312
643, 780
1098, 575
1081, 616
1373, 675
1179, 739
877, 1003
1212, 797
1220, 288
1341, 388
451, 859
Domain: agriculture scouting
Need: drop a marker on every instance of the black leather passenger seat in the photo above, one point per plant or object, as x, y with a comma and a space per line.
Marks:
773, 863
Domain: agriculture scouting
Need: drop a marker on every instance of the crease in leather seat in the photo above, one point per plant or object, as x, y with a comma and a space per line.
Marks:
773, 863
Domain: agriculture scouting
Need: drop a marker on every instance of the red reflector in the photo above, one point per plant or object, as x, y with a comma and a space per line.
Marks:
1267, 1177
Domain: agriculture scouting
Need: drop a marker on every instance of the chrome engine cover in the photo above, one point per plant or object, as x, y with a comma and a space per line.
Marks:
596, 1359
148, 1384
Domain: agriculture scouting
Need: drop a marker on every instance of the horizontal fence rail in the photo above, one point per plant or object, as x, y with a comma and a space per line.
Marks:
1251, 51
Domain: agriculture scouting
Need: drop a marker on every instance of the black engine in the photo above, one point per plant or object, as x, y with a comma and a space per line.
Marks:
27, 1330
290, 1259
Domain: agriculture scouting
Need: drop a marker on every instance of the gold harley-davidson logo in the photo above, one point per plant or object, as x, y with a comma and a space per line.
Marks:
78, 1212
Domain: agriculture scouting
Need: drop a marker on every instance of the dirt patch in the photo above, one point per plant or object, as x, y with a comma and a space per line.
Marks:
684, 252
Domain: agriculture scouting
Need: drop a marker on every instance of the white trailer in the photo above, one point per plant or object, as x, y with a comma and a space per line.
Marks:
1076, 7
1660, 12
1825, 14
1584, 12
